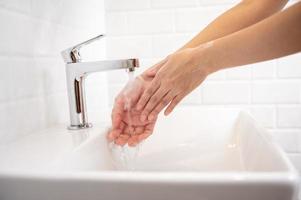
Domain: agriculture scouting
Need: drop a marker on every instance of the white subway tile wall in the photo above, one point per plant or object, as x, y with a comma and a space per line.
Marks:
152, 29
32, 78
33, 33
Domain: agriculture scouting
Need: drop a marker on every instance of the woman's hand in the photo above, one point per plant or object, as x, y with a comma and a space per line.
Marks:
175, 77
126, 124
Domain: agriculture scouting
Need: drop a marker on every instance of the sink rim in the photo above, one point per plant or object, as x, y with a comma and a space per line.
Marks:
289, 177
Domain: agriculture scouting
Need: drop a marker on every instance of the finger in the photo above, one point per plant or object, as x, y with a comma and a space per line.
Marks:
153, 70
147, 132
116, 120
124, 136
150, 127
153, 102
136, 139
120, 130
173, 104
110, 137
133, 140
120, 141
117, 112
139, 130
113, 134
143, 137
122, 126
163, 103
152, 88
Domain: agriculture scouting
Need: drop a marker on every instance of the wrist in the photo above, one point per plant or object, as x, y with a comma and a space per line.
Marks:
205, 59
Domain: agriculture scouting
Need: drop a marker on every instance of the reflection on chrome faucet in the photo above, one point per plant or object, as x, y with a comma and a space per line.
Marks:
76, 72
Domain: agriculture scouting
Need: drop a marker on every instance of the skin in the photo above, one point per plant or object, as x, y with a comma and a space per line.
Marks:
239, 17
235, 36
274, 37
244, 14
127, 128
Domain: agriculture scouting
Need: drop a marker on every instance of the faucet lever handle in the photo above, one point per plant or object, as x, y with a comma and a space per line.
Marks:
72, 54
80, 45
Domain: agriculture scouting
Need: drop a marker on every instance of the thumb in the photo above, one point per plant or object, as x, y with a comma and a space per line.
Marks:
117, 112
152, 71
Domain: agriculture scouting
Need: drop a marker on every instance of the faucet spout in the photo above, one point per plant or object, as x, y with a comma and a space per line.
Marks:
85, 68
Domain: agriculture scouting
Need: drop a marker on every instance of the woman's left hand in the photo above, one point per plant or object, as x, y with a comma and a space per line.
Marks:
179, 74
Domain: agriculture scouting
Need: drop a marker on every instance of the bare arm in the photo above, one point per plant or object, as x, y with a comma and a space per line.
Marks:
274, 37
244, 14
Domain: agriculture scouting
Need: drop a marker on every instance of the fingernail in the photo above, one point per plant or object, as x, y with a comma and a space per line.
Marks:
143, 118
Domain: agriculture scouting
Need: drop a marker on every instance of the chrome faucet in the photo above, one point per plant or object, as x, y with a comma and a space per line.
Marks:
76, 72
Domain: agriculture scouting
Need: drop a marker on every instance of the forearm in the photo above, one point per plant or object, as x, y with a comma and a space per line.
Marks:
274, 37
241, 16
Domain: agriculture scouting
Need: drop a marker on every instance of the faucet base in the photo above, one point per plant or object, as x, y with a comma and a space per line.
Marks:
78, 127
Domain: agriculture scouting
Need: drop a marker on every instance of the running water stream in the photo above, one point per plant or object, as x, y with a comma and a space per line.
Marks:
125, 156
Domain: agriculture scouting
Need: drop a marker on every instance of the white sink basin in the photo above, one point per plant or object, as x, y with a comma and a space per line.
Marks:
197, 153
